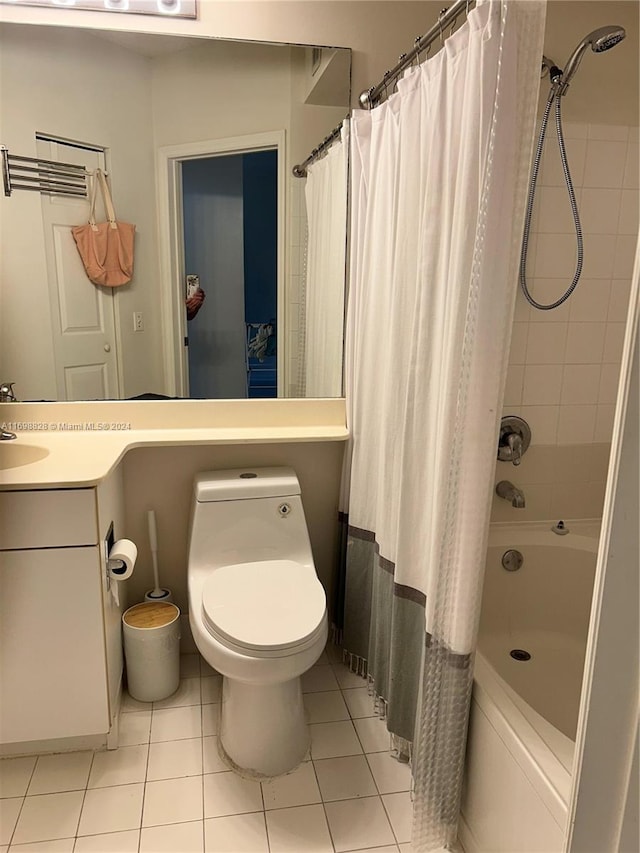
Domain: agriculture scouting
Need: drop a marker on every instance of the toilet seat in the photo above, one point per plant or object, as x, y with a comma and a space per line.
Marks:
266, 608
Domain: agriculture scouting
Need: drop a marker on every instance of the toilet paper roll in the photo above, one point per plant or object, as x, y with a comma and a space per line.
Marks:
122, 559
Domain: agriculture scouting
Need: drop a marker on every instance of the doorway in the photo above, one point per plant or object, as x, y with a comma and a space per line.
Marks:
230, 209
179, 333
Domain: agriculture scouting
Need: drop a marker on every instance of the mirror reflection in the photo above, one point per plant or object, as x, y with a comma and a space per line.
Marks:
198, 138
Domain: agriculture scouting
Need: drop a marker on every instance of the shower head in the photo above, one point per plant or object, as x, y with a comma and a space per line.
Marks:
599, 40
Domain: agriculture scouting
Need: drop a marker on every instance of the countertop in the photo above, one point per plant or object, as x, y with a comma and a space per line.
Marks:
81, 443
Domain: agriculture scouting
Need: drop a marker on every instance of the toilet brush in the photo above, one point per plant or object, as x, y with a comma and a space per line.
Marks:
157, 593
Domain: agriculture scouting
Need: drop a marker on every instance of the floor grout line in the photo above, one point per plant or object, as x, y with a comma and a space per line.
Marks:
264, 810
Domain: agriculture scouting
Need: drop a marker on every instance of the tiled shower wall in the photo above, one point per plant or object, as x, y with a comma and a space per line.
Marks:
564, 364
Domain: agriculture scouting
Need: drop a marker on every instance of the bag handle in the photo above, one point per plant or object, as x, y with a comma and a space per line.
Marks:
92, 209
106, 196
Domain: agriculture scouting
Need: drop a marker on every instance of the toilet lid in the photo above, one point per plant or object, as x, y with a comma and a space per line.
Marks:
273, 604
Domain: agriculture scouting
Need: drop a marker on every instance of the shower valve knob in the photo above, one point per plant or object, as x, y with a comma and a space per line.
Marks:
514, 439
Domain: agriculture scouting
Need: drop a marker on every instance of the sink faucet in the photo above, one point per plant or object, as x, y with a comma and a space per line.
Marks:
512, 493
6, 393
7, 396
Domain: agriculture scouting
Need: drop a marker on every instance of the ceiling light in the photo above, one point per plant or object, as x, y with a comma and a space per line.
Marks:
160, 8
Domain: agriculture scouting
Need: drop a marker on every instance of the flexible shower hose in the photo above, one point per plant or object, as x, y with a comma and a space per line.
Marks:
553, 95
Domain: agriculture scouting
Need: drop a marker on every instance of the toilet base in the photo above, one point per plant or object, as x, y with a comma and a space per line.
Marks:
263, 732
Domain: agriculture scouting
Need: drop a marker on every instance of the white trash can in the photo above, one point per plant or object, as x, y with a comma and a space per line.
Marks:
152, 650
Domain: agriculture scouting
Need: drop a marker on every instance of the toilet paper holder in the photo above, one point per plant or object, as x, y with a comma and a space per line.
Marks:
120, 565
108, 543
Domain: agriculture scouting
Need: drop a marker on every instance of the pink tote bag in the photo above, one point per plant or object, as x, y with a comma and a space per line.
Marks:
106, 248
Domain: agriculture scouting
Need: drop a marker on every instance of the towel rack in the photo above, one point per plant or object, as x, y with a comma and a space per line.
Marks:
44, 176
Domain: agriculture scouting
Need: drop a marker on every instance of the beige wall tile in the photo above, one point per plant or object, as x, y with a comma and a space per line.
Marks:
604, 423
556, 256
608, 132
551, 173
599, 255
584, 500
576, 424
625, 254
604, 163
542, 385
599, 210
513, 386
619, 300
519, 335
553, 213
546, 343
543, 421
630, 180
546, 291
608, 389
590, 300
585, 343
613, 341
575, 130
565, 363
628, 221
580, 384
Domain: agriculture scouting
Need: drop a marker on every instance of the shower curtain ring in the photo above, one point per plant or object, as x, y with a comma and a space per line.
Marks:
442, 12
385, 83
416, 56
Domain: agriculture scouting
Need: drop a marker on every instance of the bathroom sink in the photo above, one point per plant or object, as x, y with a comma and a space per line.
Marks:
13, 455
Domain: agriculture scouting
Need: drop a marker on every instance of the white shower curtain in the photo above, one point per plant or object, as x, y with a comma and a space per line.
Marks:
438, 181
326, 201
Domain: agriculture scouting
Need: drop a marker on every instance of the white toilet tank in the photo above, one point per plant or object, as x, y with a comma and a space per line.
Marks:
247, 515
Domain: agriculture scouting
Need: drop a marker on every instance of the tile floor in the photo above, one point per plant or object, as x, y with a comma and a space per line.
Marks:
165, 790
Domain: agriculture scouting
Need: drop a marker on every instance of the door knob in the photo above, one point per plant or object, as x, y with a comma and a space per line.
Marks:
107, 347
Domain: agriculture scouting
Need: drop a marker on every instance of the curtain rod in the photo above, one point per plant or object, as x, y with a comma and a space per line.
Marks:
370, 97
300, 171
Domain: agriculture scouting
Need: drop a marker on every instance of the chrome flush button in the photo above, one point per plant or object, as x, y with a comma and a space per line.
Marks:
284, 510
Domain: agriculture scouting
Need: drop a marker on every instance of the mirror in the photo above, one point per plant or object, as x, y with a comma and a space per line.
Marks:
198, 138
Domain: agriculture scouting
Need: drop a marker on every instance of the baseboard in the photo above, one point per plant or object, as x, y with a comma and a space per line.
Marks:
43, 747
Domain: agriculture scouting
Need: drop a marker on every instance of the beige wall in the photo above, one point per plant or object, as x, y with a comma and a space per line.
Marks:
378, 31
605, 89
162, 479
212, 91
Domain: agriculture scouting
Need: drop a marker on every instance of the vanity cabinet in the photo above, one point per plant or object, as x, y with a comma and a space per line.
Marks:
60, 649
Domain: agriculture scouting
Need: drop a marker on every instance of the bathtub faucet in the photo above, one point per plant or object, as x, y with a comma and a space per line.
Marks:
512, 493
514, 442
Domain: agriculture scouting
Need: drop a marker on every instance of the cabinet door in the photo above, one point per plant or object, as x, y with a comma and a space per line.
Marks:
53, 680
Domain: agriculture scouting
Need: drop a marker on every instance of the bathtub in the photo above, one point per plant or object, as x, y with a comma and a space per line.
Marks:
524, 712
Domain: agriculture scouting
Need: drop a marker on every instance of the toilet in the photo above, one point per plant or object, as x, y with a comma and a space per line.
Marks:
257, 611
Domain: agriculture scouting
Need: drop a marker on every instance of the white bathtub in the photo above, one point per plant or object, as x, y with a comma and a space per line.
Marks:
524, 713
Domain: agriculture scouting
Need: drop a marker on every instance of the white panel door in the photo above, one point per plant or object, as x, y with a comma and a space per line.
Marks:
83, 315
